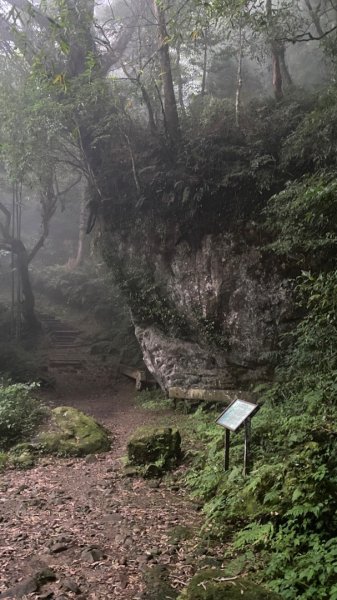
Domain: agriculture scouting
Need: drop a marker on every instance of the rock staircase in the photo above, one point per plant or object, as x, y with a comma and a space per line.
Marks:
66, 352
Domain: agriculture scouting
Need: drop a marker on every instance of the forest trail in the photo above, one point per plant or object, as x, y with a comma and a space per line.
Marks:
95, 528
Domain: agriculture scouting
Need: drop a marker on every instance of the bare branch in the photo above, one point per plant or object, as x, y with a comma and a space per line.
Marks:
117, 49
307, 36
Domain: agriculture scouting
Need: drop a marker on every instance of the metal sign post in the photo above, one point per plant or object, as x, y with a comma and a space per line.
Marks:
247, 459
227, 446
236, 414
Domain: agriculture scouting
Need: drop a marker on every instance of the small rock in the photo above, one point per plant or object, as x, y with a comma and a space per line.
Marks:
28, 586
155, 484
123, 579
59, 547
154, 552
45, 575
128, 542
20, 537
21, 488
58, 501
92, 555
70, 585
91, 458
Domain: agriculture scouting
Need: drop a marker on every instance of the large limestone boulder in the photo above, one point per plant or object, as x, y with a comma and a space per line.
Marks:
72, 433
65, 432
152, 451
214, 584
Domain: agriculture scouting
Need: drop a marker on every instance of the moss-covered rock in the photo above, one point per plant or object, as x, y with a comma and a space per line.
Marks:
154, 450
211, 584
22, 456
72, 433
157, 584
3, 460
180, 533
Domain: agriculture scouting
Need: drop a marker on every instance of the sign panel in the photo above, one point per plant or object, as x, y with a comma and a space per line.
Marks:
236, 414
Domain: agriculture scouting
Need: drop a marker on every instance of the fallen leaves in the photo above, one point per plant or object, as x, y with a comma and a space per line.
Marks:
95, 529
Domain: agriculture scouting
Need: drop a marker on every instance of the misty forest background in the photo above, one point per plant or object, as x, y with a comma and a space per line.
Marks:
105, 108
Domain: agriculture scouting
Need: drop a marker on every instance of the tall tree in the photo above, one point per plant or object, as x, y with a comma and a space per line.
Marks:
170, 104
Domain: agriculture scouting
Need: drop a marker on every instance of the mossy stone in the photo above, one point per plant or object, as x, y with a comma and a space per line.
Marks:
211, 584
72, 433
156, 449
3, 460
157, 584
180, 533
22, 456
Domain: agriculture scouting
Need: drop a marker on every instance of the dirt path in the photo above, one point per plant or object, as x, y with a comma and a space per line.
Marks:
96, 529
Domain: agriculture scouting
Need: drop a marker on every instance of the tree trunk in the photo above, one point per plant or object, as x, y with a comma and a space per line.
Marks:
75, 262
170, 104
28, 300
277, 74
239, 81
204, 65
14, 245
180, 81
148, 104
284, 68
315, 18
275, 53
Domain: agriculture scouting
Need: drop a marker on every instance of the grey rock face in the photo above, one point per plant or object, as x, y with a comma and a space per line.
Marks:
225, 284
235, 302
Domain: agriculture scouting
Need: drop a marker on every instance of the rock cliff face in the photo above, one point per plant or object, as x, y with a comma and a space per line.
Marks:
233, 300
240, 306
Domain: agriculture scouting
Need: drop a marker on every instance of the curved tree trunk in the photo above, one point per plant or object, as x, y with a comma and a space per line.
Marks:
28, 300
17, 247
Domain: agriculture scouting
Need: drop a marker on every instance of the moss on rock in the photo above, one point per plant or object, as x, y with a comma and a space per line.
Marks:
22, 456
211, 584
157, 584
180, 533
154, 450
3, 460
72, 433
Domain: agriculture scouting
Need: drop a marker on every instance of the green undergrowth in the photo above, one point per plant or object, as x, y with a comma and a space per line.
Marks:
20, 413
153, 400
281, 520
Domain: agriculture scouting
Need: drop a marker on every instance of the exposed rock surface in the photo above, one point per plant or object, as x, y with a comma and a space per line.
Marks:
232, 300
72, 433
66, 432
157, 584
153, 450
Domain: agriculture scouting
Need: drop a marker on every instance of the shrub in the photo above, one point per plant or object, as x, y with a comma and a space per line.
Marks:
20, 413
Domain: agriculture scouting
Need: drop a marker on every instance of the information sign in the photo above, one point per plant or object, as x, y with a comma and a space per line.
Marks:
236, 414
